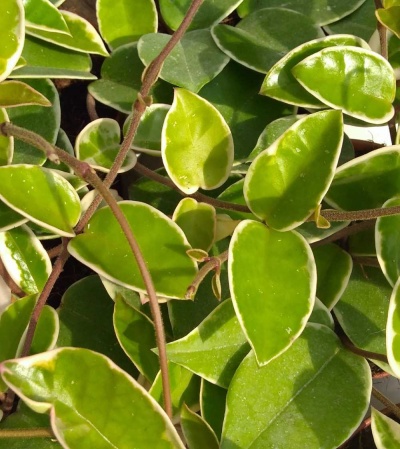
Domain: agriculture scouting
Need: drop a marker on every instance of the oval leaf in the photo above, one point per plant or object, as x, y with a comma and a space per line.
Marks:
43, 197
342, 69
272, 278
103, 247
386, 432
43, 15
283, 186
64, 373
197, 152
197, 432
16, 93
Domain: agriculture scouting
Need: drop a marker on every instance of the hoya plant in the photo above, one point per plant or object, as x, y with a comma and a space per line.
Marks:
235, 248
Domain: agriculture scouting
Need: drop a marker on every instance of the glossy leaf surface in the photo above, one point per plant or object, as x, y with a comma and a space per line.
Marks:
197, 432
197, 153
212, 405
41, 380
25, 259
43, 15
282, 186
272, 278
345, 69
295, 388
44, 197
194, 61
389, 17
6, 143
393, 331
258, 42
214, 349
385, 430
321, 315
134, 20
17, 93
9, 218
104, 249
98, 144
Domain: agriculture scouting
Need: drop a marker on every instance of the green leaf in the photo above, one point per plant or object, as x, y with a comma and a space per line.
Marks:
136, 335
362, 243
43, 197
134, 19
16, 93
98, 144
363, 308
86, 321
282, 185
334, 268
64, 373
9, 218
272, 278
343, 69
63, 143
322, 12
208, 14
386, 432
13, 324
214, 349
389, 17
42, 120
43, 15
103, 247
246, 112
393, 331
321, 315
193, 62
25, 259
313, 234
212, 405
82, 36
264, 37
280, 83
12, 34
367, 181
197, 152
121, 81
44, 59
6, 143
284, 404
197, 432
198, 222
184, 387
387, 240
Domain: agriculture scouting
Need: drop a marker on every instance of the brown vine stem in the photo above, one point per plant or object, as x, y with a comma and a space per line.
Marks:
386, 401
38, 432
84, 171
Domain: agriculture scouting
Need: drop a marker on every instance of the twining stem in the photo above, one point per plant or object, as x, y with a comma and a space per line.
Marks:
38, 432
382, 32
386, 401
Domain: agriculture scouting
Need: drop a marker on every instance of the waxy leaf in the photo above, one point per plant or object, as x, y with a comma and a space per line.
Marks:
193, 62
282, 185
9, 218
136, 335
321, 315
16, 93
64, 373
197, 432
198, 222
134, 19
104, 248
272, 278
284, 404
363, 308
208, 14
386, 432
197, 152
389, 17
216, 357
82, 36
25, 259
387, 241
98, 144
333, 271
280, 83
212, 405
367, 181
6, 143
343, 69
43, 197
43, 15
12, 34
258, 41
393, 331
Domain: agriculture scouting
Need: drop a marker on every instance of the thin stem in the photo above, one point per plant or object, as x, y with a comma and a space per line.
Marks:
361, 352
38, 432
366, 261
91, 107
345, 232
386, 401
382, 33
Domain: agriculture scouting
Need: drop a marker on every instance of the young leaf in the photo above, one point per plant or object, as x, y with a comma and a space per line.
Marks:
98, 144
284, 404
43, 197
194, 61
283, 186
134, 19
12, 34
343, 69
64, 373
386, 432
25, 259
16, 93
272, 278
104, 248
43, 15
197, 153
216, 357
197, 432
6, 143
